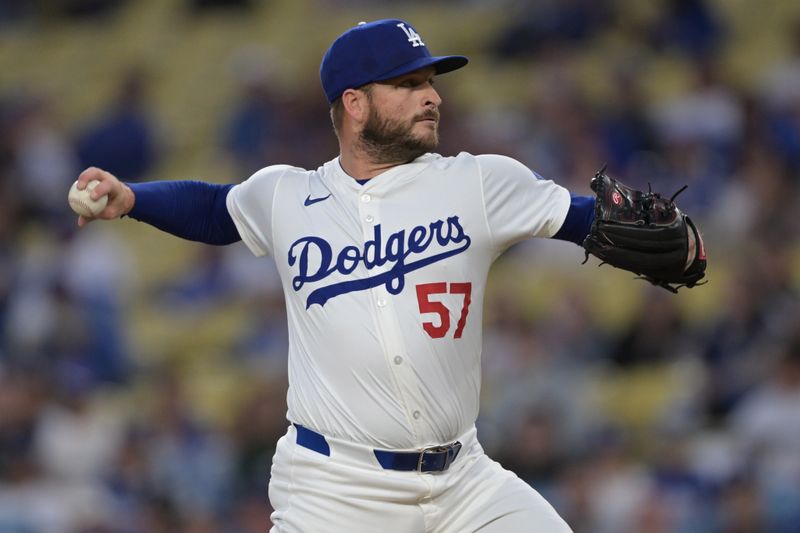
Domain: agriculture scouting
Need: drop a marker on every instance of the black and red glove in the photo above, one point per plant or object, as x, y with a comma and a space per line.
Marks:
646, 234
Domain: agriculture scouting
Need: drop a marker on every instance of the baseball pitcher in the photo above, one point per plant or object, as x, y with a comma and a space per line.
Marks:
383, 254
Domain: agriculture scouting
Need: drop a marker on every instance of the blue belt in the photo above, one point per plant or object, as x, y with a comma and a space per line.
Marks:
434, 459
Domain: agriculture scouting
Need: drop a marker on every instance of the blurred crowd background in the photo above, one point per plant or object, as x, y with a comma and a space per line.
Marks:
142, 378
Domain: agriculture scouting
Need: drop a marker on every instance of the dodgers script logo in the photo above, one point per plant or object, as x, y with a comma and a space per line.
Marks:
316, 261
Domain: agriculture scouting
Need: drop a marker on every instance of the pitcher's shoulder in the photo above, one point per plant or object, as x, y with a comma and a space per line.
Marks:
445, 162
481, 163
276, 171
270, 176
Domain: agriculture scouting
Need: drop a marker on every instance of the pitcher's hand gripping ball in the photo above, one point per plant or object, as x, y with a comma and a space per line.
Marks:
81, 201
646, 234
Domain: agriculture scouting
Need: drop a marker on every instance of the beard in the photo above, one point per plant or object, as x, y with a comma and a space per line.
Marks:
392, 141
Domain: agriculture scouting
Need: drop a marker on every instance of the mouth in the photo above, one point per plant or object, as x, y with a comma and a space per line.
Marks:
433, 120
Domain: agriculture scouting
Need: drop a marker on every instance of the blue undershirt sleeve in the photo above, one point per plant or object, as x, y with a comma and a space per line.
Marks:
191, 210
579, 219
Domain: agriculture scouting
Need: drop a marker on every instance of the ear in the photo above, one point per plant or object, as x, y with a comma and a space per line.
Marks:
356, 105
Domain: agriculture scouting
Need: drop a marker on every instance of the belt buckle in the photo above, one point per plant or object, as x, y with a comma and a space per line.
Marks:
451, 451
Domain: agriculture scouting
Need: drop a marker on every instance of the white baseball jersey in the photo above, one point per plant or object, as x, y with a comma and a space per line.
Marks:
384, 285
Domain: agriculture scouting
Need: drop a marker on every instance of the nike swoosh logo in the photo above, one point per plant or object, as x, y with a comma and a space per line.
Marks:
310, 201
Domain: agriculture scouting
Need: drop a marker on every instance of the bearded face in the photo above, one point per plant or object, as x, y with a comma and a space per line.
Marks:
390, 140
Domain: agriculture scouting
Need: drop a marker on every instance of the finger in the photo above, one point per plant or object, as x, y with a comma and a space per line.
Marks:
106, 186
91, 173
82, 221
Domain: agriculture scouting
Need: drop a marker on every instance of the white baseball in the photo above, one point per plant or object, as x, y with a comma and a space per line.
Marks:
81, 202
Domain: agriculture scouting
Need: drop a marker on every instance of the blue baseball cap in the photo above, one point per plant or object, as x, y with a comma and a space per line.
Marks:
376, 51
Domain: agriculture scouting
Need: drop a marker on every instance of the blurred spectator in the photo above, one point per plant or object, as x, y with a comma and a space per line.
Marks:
768, 423
204, 284
9, 271
128, 483
741, 509
96, 275
76, 437
32, 310
306, 129
557, 135
690, 26
733, 343
252, 515
223, 273
571, 333
69, 315
123, 140
779, 82
709, 112
31, 502
266, 127
700, 131
258, 425
264, 343
32, 499
45, 163
539, 25
682, 498
785, 128
780, 90
19, 408
626, 130
540, 453
653, 337
253, 128
746, 207
189, 462
11, 220
619, 487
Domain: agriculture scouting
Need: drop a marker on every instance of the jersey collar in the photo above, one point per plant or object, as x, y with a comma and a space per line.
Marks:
395, 175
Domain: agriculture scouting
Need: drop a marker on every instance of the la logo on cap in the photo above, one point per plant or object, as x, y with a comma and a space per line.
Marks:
413, 37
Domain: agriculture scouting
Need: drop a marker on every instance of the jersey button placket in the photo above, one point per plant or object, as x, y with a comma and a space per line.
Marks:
368, 212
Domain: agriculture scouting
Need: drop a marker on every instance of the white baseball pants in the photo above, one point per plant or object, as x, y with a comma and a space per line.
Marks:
349, 492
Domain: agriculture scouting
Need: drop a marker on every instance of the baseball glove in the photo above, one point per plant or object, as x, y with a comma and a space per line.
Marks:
646, 234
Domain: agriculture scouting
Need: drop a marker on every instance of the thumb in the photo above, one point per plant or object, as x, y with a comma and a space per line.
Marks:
82, 221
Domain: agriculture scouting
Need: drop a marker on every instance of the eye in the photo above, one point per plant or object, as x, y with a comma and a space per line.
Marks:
413, 82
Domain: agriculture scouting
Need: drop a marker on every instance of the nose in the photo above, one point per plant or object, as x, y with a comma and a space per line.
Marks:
432, 97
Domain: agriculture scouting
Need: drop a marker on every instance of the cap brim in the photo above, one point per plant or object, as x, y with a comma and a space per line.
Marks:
442, 64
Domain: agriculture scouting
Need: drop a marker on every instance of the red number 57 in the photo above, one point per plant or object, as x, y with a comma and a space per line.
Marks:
425, 290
